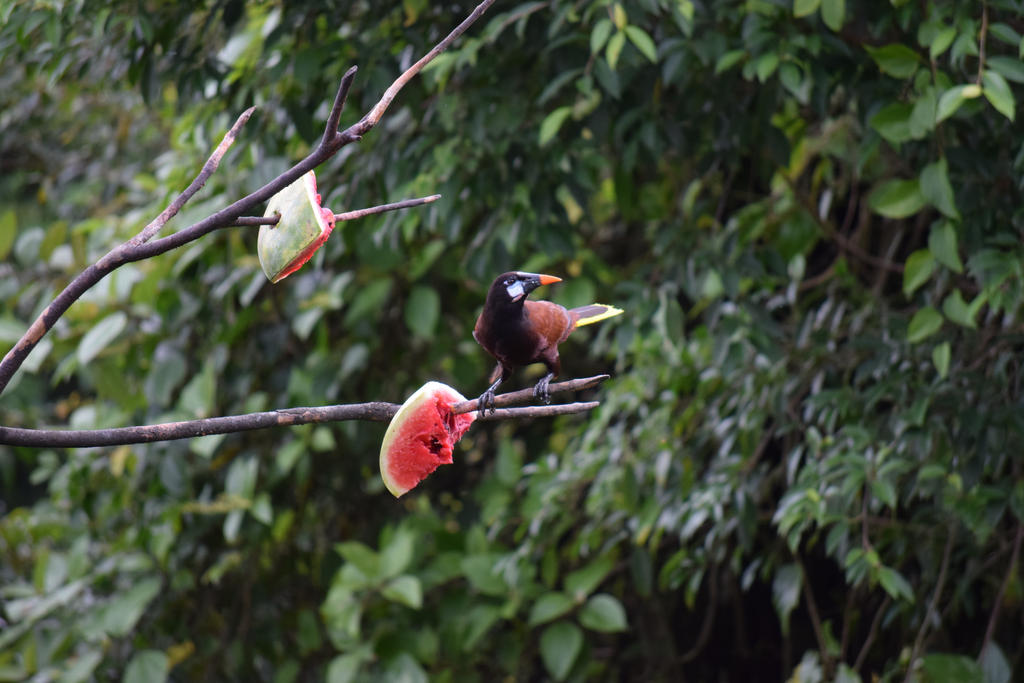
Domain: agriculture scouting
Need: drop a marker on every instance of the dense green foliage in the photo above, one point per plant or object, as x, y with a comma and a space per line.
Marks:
808, 462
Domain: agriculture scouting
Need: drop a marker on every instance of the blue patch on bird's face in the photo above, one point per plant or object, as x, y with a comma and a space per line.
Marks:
515, 291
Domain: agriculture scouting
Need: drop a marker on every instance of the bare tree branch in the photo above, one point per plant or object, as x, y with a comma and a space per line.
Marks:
376, 411
139, 249
347, 215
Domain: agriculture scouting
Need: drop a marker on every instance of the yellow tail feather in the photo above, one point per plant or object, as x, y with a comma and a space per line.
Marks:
607, 312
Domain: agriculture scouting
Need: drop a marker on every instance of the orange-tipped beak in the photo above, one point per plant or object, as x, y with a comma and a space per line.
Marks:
549, 279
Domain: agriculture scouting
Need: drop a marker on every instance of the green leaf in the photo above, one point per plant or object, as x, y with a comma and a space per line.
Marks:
477, 623
998, 93
344, 668
994, 665
482, 573
8, 231
619, 16
1005, 33
833, 12
615, 45
957, 310
1011, 68
941, 355
924, 324
895, 585
893, 122
729, 60
946, 668
147, 666
599, 35
552, 122
604, 613
364, 559
560, 644
942, 242
765, 65
804, 8
422, 310
846, 675
643, 42
922, 118
548, 607
897, 198
123, 611
101, 334
197, 396
951, 100
582, 582
895, 59
936, 188
396, 555
786, 593
405, 590
941, 42
80, 667
919, 267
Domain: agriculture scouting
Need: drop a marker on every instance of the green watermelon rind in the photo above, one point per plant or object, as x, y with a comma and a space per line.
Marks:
302, 227
419, 418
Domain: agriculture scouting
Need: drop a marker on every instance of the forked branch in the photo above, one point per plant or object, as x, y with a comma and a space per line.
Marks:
142, 246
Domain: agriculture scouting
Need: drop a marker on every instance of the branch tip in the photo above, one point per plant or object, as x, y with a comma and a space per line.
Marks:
331, 128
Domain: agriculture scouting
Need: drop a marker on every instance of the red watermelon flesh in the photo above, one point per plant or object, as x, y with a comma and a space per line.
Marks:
421, 436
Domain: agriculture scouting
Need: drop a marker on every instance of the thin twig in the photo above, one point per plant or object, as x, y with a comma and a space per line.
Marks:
704, 635
933, 604
346, 215
982, 36
373, 116
375, 411
526, 395
1011, 569
197, 184
128, 252
872, 634
812, 610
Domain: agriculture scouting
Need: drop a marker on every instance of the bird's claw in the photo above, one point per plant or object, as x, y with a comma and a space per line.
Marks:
540, 391
486, 402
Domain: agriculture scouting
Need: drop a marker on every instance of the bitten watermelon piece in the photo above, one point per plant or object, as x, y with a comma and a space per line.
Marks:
302, 226
421, 436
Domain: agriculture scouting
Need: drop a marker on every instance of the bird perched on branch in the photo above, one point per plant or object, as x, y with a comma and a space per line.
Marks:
518, 332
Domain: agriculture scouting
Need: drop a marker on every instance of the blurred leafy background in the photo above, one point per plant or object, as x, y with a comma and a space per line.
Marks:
807, 466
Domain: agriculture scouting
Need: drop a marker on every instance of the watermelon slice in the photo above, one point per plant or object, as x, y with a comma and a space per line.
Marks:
421, 436
302, 226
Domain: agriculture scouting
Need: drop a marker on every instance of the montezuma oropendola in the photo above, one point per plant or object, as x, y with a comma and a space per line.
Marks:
518, 332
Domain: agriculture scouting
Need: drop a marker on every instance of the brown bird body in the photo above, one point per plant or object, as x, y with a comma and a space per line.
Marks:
518, 332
